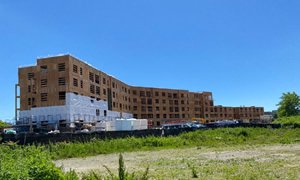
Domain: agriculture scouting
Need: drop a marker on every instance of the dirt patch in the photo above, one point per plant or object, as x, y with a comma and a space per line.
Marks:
137, 161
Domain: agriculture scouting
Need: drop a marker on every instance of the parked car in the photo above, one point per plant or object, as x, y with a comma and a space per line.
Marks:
9, 131
226, 122
175, 126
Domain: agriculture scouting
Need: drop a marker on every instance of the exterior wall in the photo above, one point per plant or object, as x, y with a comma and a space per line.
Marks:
163, 105
157, 104
220, 112
31, 88
248, 114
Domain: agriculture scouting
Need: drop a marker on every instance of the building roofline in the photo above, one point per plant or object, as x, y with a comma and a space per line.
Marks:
54, 56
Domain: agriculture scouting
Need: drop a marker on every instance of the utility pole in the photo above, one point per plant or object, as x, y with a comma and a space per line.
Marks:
17, 108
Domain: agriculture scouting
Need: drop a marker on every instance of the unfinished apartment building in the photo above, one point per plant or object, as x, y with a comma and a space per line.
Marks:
64, 90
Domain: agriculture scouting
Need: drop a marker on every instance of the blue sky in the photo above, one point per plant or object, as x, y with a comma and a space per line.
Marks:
245, 52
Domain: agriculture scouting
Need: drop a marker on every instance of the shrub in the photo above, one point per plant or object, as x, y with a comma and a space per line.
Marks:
27, 162
293, 120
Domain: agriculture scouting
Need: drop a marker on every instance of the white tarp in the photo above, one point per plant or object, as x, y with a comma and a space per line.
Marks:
125, 125
77, 108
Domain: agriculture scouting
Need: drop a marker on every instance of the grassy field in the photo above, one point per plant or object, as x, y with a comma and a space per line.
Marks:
222, 137
35, 162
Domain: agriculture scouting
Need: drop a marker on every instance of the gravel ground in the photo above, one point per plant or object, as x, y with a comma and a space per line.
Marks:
160, 161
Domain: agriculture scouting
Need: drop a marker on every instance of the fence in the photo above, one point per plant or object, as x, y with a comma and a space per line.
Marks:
23, 139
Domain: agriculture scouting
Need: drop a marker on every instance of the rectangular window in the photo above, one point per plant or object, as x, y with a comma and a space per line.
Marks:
175, 96
30, 76
44, 68
81, 84
97, 112
149, 101
143, 101
91, 76
149, 94
149, 108
104, 81
81, 71
134, 92
105, 113
33, 89
97, 90
142, 93
75, 82
143, 109
104, 91
33, 102
144, 116
92, 89
135, 108
44, 82
176, 102
29, 101
97, 79
157, 116
75, 68
29, 89
62, 95
150, 116
61, 81
156, 93
61, 67
44, 97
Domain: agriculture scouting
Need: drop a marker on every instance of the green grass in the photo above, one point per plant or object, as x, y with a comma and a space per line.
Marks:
208, 138
293, 120
35, 162
226, 169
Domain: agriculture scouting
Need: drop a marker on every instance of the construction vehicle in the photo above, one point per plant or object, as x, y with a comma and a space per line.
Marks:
200, 120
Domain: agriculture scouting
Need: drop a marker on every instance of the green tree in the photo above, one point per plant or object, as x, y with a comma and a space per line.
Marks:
3, 124
289, 105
